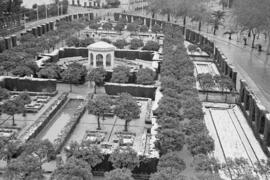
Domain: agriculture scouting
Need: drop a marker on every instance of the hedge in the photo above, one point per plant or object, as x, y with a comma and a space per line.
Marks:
132, 55
30, 84
133, 89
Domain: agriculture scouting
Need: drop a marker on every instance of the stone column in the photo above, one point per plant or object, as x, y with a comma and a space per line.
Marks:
94, 60
112, 60
104, 60
14, 40
252, 111
266, 137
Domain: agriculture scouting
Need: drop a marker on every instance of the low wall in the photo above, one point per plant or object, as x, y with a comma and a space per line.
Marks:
256, 114
133, 89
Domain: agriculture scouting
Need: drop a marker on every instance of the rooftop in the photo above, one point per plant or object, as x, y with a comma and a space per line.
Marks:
101, 46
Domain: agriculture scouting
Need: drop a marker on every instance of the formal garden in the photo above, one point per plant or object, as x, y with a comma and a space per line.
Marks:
129, 98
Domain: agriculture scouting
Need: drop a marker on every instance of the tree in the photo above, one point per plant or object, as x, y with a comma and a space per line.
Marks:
120, 74
166, 174
171, 161
113, 3
99, 106
9, 150
205, 164
200, 14
263, 167
209, 176
24, 98
73, 74
206, 82
255, 19
73, 41
225, 83
50, 71
73, 169
22, 71
217, 20
24, 167
143, 28
151, 46
156, 29
133, 27
136, 43
145, 76
86, 42
107, 26
238, 168
119, 174
94, 25
97, 76
120, 43
12, 107
200, 144
127, 108
4, 94
124, 158
119, 26
87, 152
170, 140
43, 150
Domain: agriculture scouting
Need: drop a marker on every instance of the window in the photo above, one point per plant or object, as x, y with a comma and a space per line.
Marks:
108, 60
91, 59
99, 61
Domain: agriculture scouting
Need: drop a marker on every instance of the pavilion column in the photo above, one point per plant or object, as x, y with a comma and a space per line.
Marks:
112, 60
95, 60
104, 60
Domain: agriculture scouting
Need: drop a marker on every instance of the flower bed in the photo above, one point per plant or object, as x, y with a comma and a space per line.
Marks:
36, 127
69, 127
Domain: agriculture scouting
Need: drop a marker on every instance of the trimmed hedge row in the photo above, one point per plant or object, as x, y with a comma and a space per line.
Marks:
32, 85
133, 89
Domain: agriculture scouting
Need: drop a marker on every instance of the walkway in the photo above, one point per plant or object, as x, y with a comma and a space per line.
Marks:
252, 66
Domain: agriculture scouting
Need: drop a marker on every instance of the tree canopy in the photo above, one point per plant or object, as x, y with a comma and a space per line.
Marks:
124, 158
119, 174
127, 108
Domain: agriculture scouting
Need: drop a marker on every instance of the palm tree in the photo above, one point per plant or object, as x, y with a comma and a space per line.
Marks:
218, 17
200, 14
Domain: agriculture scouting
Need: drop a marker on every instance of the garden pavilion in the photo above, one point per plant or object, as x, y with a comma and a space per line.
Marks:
101, 54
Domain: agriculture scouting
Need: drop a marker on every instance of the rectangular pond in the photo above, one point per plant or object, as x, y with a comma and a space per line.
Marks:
59, 121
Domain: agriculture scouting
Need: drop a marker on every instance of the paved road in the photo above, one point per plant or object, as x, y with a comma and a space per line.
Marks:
252, 66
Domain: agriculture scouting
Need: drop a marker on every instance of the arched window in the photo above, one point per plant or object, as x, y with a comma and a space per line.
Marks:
99, 60
91, 59
108, 60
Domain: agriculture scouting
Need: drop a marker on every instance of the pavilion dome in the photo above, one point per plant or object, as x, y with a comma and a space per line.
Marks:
101, 46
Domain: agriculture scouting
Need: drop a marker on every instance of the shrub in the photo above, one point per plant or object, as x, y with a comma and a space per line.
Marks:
73, 41
200, 144
120, 74
151, 46
171, 160
106, 40
120, 43
145, 76
192, 48
86, 42
136, 43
